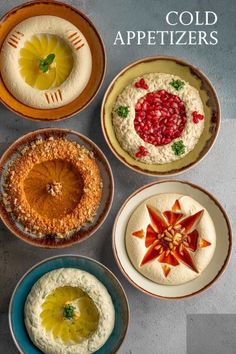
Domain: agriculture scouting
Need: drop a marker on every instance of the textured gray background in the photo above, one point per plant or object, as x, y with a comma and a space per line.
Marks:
211, 333
156, 326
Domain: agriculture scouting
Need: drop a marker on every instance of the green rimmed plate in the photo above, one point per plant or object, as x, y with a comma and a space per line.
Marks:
186, 71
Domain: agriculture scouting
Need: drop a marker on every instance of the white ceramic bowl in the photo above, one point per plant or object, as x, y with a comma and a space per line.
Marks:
223, 240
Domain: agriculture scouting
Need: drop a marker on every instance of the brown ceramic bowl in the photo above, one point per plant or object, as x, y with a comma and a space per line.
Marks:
107, 195
77, 18
188, 72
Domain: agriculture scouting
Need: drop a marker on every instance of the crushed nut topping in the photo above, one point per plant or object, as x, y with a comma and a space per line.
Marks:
54, 188
16, 199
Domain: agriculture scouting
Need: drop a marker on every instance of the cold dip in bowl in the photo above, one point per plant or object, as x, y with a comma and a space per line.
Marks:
170, 238
158, 118
69, 310
46, 62
52, 187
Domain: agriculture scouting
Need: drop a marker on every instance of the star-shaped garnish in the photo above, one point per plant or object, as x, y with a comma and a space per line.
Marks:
171, 237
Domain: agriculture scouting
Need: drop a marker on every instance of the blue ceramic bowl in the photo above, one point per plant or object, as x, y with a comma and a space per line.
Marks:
16, 308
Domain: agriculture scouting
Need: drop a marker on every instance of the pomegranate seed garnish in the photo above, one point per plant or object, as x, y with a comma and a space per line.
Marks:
160, 117
196, 117
141, 84
142, 151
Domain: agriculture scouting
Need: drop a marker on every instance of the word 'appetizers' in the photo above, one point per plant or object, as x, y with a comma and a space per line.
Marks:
69, 311
53, 187
45, 62
158, 118
170, 238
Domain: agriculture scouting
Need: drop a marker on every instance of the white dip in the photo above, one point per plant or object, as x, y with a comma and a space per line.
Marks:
153, 270
75, 82
75, 278
126, 134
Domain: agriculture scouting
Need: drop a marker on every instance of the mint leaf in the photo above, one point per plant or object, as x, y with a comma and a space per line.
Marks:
50, 59
44, 63
43, 67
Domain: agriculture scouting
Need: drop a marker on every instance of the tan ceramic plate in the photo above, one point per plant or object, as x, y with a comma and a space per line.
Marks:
188, 72
36, 8
107, 196
218, 262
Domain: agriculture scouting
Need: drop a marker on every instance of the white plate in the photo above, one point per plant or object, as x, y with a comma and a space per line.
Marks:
223, 240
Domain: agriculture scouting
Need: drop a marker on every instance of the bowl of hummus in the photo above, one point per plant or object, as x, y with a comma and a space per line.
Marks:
52, 60
160, 115
172, 239
68, 304
56, 188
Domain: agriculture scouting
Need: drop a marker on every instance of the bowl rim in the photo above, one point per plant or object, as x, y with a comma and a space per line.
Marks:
220, 272
66, 256
90, 22
109, 89
4, 216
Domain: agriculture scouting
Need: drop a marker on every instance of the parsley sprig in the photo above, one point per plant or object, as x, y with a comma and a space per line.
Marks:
178, 147
68, 311
122, 111
177, 84
44, 63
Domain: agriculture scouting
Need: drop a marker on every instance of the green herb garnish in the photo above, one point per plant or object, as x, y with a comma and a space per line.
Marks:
68, 311
44, 63
178, 147
177, 84
122, 111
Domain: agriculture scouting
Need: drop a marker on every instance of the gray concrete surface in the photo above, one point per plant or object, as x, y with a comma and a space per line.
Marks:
156, 327
211, 333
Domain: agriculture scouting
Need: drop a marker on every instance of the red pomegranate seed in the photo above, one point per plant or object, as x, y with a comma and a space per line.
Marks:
141, 84
160, 117
174, 105
142, 151
145, 106
196, 117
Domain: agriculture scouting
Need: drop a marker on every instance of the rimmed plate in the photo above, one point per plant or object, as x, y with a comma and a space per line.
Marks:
107, 194
188, 72
78, 19
103, 274
223, 240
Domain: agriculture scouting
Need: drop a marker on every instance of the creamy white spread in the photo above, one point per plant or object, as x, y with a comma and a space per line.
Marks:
75, 278
153, 270
124, 128
71, 88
